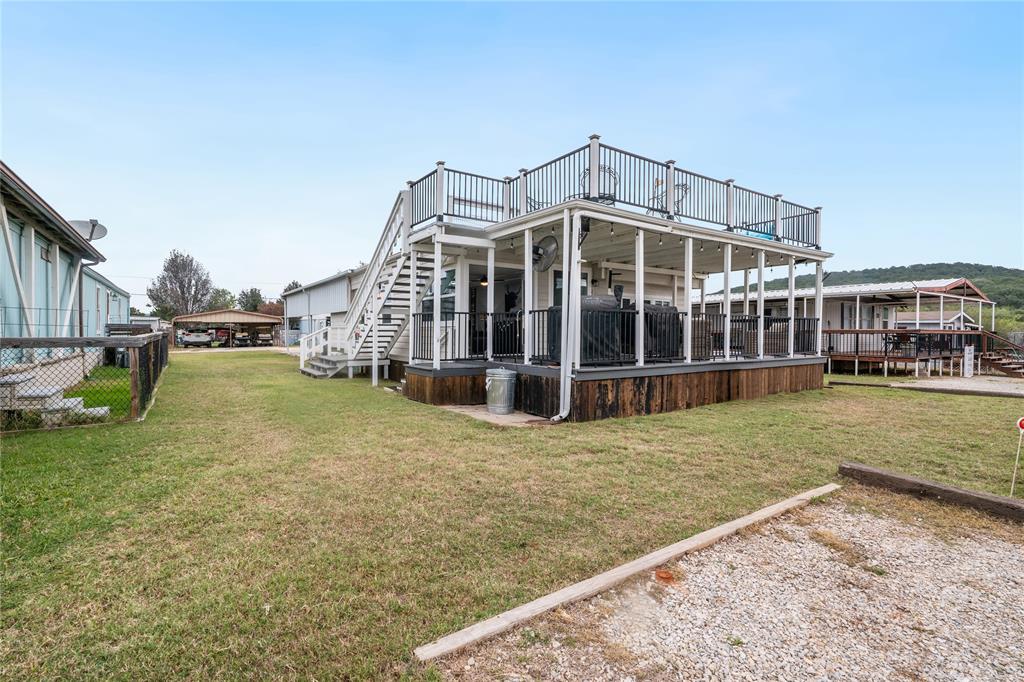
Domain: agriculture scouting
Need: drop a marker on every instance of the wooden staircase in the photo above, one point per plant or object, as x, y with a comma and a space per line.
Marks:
1001, 355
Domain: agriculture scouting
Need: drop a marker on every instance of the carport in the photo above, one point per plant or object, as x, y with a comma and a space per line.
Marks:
235, 322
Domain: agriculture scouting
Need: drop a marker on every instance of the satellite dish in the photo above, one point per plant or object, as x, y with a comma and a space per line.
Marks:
544, 253
90, 229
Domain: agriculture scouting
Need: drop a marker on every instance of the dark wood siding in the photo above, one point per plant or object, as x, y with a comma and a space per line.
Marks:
446, 390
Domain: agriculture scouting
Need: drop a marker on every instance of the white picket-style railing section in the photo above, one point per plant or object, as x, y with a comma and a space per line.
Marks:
321, 342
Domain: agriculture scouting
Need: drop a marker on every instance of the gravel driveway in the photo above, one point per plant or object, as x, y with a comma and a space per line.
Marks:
865, 586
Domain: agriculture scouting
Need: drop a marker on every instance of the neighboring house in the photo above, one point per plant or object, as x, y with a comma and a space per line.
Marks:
320, 304
929, 319
468, 274
876, 305
47, 287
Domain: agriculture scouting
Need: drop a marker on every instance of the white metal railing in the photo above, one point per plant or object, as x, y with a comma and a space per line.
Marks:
321, 342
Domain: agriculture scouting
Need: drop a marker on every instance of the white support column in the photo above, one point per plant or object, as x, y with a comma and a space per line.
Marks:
961, 313
638, 296
917, 310
856, 337
506, 199
818, 303
792, 303
942, 312
490, 304
13, 261
406, 227
760, 303
566, 336
528, 294
374, 329
746, 291
993, 328
687, 295
594, 166
439, 195
727, 300
523, 197
981, 322
670, 189
436, 355
413, 295
55, 287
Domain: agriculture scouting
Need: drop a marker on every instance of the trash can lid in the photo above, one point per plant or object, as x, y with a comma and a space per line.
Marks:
500, 372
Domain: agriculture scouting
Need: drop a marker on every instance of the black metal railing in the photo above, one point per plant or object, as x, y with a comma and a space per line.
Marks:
423, 195
805, 334
507, 336
474, 197
708, 336
608, 337
623, 179
556, 181
743, 336
898, 343
463, 336
546, 336
776, 335
664, 338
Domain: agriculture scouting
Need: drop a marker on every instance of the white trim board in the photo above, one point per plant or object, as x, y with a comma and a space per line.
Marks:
599, 583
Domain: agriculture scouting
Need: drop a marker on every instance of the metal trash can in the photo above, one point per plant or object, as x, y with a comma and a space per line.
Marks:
501, 390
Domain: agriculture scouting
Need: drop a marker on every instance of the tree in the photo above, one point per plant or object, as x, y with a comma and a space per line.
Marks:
250, 299
294, 284
271, 308
221, 299
135, 312
182, 288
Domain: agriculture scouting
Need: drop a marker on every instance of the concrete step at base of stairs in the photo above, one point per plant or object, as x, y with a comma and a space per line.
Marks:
313, 372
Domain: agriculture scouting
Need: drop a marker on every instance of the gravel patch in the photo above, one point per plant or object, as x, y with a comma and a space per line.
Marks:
830, 592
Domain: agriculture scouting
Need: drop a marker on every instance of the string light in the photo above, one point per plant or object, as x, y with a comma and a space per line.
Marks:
702, 246
660, 240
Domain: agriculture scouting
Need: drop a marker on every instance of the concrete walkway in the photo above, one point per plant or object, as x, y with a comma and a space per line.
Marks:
480, 412
1005, 387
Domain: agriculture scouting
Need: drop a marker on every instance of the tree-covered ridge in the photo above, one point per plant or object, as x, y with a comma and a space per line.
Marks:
1005, 286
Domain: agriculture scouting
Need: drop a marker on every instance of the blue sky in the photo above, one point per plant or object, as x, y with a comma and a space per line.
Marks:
269, 140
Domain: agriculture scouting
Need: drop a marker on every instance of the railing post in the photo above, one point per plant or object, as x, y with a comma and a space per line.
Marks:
490, 304
727, 300
523, 196
406, 216
670, 189
687, 295
778, 218
436, 355
730, 204
413, 293
638, 286
528, 295
792, 301
760, 303
818, 303
506, 199
439, 195
133, 369
594, 163
817, 227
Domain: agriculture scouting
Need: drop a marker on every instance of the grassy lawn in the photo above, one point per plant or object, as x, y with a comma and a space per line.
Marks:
259, 524
106, 387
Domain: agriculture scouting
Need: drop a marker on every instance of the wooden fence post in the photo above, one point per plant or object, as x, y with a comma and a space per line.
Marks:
133, 365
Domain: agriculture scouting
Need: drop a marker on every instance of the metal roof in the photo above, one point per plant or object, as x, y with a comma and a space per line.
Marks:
228, 316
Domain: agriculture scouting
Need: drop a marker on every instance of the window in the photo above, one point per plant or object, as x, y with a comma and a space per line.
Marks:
557, 296
447, 294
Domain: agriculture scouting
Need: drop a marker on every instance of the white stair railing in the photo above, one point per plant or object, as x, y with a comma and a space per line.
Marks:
313, 344
385, 246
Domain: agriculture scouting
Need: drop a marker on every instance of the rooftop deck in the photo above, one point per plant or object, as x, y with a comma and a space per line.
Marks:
613, 177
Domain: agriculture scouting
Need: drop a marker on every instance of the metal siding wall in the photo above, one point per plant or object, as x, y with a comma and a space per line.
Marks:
9, 301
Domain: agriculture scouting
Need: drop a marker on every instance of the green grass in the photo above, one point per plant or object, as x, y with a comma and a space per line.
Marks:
106, 387
259, 524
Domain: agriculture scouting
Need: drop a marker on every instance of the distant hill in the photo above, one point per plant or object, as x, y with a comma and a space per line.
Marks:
1005, 286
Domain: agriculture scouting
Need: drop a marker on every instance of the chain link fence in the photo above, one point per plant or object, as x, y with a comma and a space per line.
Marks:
51, 381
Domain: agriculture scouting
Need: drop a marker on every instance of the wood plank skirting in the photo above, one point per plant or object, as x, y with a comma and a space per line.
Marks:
466, 389
623, 396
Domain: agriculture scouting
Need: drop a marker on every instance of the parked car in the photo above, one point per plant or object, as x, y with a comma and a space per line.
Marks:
196, 339
220, 337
